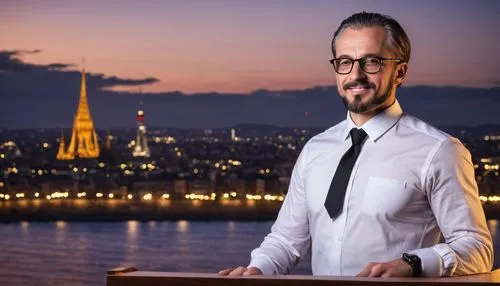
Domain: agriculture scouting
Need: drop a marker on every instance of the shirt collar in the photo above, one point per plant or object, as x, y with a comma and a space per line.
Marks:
379, 124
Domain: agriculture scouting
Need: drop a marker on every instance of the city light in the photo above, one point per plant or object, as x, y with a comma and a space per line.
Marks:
37, 195
253, 197
147, 197
235, 163
130, 196
99, 195
489, 198
200, 197
165, 196
110, 196
58, 195
7, 197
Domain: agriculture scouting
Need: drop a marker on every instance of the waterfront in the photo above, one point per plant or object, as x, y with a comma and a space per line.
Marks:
79, 253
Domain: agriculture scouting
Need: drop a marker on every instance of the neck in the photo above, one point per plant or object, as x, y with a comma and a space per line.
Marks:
361, 118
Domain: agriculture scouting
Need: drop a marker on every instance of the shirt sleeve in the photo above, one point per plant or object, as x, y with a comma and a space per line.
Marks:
453, 196
289, 239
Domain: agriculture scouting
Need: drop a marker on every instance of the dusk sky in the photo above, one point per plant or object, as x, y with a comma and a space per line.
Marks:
240, 46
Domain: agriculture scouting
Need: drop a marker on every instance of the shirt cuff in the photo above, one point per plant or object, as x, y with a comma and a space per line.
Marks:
431, 261
264, 264
448, 258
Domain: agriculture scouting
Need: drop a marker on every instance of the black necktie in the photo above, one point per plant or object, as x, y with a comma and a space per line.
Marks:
335, 198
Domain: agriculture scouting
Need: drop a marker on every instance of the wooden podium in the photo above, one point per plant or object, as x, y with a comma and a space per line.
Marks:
131, 276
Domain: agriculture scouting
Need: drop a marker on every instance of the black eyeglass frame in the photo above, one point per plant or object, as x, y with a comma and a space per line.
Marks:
362, 64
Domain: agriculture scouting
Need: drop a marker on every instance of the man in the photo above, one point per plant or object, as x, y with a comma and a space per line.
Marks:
381, 194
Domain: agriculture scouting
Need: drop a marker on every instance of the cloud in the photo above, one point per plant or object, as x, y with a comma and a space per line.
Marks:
59, 66
102, 81
56, 74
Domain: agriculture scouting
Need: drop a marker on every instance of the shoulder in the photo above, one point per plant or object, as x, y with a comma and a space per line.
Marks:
430, 135
423, 129
322, 142
326, 138
439, 145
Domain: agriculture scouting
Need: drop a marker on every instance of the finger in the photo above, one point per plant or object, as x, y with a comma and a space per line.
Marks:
252, 271
366, 271
225, 272
238, 271
387, 274
377, 270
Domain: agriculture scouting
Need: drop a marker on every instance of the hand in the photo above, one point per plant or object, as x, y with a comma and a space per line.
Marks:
240, 271
395, 268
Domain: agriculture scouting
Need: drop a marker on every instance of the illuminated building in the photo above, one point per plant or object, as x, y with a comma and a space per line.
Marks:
233, 134
141, 148
83, 142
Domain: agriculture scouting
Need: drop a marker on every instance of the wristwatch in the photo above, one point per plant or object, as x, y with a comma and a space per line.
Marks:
415, 263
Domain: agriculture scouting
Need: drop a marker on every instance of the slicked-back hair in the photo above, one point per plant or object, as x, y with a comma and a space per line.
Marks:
397, 40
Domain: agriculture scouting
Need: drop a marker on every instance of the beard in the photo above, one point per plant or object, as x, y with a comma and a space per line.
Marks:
357, 105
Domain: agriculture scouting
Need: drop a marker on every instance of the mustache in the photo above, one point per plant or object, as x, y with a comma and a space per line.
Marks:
360, 82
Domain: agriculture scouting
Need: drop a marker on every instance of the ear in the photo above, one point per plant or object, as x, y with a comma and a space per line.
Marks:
401, 73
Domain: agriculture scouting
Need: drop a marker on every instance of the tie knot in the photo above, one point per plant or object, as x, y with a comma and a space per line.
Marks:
357, 136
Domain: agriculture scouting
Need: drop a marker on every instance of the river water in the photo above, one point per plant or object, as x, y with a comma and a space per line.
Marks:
80, 253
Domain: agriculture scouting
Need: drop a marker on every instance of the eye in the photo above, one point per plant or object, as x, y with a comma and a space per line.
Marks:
344, 62
371, 61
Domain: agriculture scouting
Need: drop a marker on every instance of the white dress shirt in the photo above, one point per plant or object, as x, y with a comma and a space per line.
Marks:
412, 190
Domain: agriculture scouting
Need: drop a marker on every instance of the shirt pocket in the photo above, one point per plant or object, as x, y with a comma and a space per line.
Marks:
385, 196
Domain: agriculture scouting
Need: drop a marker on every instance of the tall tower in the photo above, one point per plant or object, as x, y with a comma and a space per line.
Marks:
83, 142
141, 148
233, 134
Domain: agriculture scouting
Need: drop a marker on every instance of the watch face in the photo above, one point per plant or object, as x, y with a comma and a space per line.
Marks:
414, 262
414, 258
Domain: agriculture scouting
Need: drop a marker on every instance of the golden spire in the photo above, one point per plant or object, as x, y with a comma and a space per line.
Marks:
61, 153
83, 142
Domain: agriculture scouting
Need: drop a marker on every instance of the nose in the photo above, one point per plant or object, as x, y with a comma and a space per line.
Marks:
357, 72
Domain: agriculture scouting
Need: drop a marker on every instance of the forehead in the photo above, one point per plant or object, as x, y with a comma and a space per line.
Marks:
358, 42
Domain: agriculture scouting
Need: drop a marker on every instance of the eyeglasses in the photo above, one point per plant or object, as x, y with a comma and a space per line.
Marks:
369, 64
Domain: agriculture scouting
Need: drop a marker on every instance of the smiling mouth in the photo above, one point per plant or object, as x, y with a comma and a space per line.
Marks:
359, 88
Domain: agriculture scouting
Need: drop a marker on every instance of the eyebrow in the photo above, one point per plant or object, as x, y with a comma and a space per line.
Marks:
362, 56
